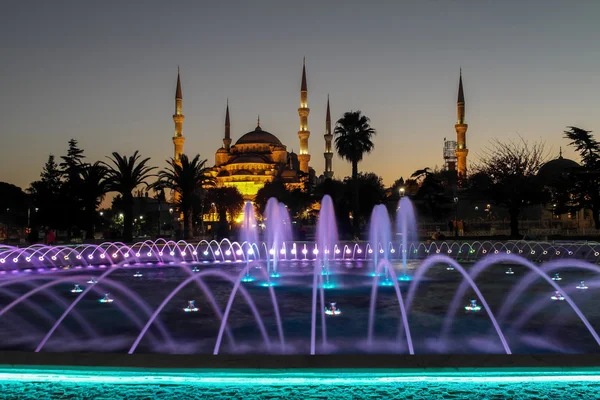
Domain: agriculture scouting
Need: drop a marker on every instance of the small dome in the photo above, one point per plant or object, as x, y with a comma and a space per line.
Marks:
258, 136
556, 169
222, 150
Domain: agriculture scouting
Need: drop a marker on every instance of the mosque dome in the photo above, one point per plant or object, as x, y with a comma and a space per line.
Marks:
556, 169
258, 136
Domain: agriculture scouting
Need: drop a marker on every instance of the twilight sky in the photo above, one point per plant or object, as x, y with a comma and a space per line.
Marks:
104, 73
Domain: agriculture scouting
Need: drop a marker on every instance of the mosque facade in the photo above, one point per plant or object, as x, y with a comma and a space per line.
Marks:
259, 157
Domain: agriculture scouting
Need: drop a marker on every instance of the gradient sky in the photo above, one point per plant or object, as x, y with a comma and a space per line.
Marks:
104, 73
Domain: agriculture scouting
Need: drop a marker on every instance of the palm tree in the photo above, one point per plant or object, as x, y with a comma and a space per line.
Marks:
124, 176
93, 189
187, 178
353, 139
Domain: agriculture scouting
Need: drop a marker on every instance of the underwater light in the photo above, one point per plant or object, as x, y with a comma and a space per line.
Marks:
544, 252
386, 282
90, 257
271, 251
66, 257
392, 251
28, 259
596, 254
239, 252
195, 269
149, 254
2, 260
183, 254
520, 251
206, 253
557, 296
532, 252
78, 257
437, 251
316, 251
217, 253
473, 306
53, 258
137, 254
556, 277
450, 268
570, 253
293, 252
250, 252
509, 272
348, 251
114, 255
326, 251
76, 289
138, 274
581, 286
160, 253
449, 251
191, 307
106, 299
248, 278
337, 251
332, 310
92, 280
404, 278
102, 256
41, 258
557, 253
304, 251
267, 284
381, 251
126, 254
275, 275
15, 260
496, 251
484, 251
370, 251
507, 251
194, 253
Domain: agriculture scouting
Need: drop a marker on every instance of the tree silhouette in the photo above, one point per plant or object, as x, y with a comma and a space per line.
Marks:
353, 139
187, 178
123, 176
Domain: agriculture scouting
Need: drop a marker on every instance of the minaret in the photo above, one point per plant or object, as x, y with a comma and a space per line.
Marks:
227, 138
303, 133
178, 117
461, 132
328, 152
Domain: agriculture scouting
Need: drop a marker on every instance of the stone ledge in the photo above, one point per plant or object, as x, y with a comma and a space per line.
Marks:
406, 363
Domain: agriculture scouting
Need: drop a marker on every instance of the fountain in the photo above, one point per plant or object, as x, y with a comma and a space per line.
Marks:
473, 306
557, 296
332, 309
106, 299
191, 307
406, 228
581, 286
402, 291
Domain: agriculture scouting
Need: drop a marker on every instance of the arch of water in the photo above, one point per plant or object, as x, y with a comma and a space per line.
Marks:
40, 269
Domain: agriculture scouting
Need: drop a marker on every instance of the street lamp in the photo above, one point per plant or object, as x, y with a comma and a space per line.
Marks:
402, 190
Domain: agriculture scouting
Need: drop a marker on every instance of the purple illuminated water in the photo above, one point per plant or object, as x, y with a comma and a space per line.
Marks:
395, 294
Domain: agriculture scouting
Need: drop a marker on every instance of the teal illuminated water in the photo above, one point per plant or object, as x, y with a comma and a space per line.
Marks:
112, 383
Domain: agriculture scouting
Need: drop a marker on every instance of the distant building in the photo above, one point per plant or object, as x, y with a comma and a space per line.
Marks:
258, 156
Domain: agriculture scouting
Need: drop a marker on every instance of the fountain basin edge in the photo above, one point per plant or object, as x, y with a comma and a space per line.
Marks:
248, 363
